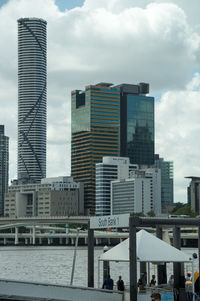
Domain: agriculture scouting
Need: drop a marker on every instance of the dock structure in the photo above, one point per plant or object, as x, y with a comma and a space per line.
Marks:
31, 291
144, 222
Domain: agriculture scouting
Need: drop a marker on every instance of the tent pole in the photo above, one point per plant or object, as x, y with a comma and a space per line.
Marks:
149, 280
98, 273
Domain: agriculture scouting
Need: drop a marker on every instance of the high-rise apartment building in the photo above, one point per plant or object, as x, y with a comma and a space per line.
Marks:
95, 134
4, 157
31, 100
112, 168
137, 124
167, 181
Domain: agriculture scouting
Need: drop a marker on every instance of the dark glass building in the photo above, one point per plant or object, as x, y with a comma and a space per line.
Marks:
136, 124
31, 99
95, 126
4, 157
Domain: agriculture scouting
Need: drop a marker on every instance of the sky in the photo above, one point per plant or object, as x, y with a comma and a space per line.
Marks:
116, 41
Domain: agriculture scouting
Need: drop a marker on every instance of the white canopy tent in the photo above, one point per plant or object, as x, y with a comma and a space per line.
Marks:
149, 249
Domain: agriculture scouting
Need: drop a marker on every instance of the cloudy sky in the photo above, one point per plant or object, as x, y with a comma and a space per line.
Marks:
118, 41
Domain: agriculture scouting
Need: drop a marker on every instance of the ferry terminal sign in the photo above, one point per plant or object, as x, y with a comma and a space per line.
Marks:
109, 221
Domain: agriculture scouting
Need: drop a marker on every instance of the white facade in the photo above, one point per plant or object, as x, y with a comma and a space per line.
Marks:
110, 169
140, 193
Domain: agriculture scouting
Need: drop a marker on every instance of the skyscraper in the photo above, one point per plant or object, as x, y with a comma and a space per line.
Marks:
167, 180
31, 99
4, 156
136, 124
95, 134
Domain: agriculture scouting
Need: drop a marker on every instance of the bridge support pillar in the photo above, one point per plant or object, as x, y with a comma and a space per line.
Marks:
67, 228
73, 241
49, 241
33, 235
40, 240
26, 241
60, 241
86, 241
109, 242
5, 241
16, 236
67, 241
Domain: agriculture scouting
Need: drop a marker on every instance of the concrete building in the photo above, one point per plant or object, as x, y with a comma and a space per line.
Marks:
112, 168
193, 192
140, 193
167, 181
4, 166
53, 197
32, 88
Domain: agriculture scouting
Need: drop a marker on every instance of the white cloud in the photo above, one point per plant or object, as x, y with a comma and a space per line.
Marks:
115, 41
177, 132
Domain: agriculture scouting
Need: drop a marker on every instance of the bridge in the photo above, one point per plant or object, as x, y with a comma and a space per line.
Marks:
37, 230
47, 220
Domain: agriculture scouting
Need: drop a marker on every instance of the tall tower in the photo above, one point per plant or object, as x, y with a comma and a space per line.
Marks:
95, 134
31, 99
137, 124
4, 156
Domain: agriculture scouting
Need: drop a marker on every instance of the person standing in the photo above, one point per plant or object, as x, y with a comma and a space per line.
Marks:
120, 284
108, 283
153, 281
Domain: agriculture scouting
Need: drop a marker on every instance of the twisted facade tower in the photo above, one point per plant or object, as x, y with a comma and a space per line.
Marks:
31, 99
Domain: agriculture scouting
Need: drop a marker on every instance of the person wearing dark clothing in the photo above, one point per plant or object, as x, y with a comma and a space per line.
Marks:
108, 283
153, 281
120, 284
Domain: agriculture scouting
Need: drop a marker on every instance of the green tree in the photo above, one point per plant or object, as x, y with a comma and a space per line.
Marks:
178, 206
185, 210
138, 214
151, 213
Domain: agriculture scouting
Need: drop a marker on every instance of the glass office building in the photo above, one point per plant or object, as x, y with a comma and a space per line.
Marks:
4, 157
167, 180
137, 124
31, 99
95, 134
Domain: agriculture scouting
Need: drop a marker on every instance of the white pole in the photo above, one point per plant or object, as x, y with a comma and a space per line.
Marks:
98, 273
74, 259
193, 298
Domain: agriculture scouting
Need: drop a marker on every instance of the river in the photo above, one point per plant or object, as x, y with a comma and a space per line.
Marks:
53, 264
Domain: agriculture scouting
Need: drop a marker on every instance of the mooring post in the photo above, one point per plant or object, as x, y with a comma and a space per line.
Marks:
161, 268
133, 258
90, 256
179, 280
